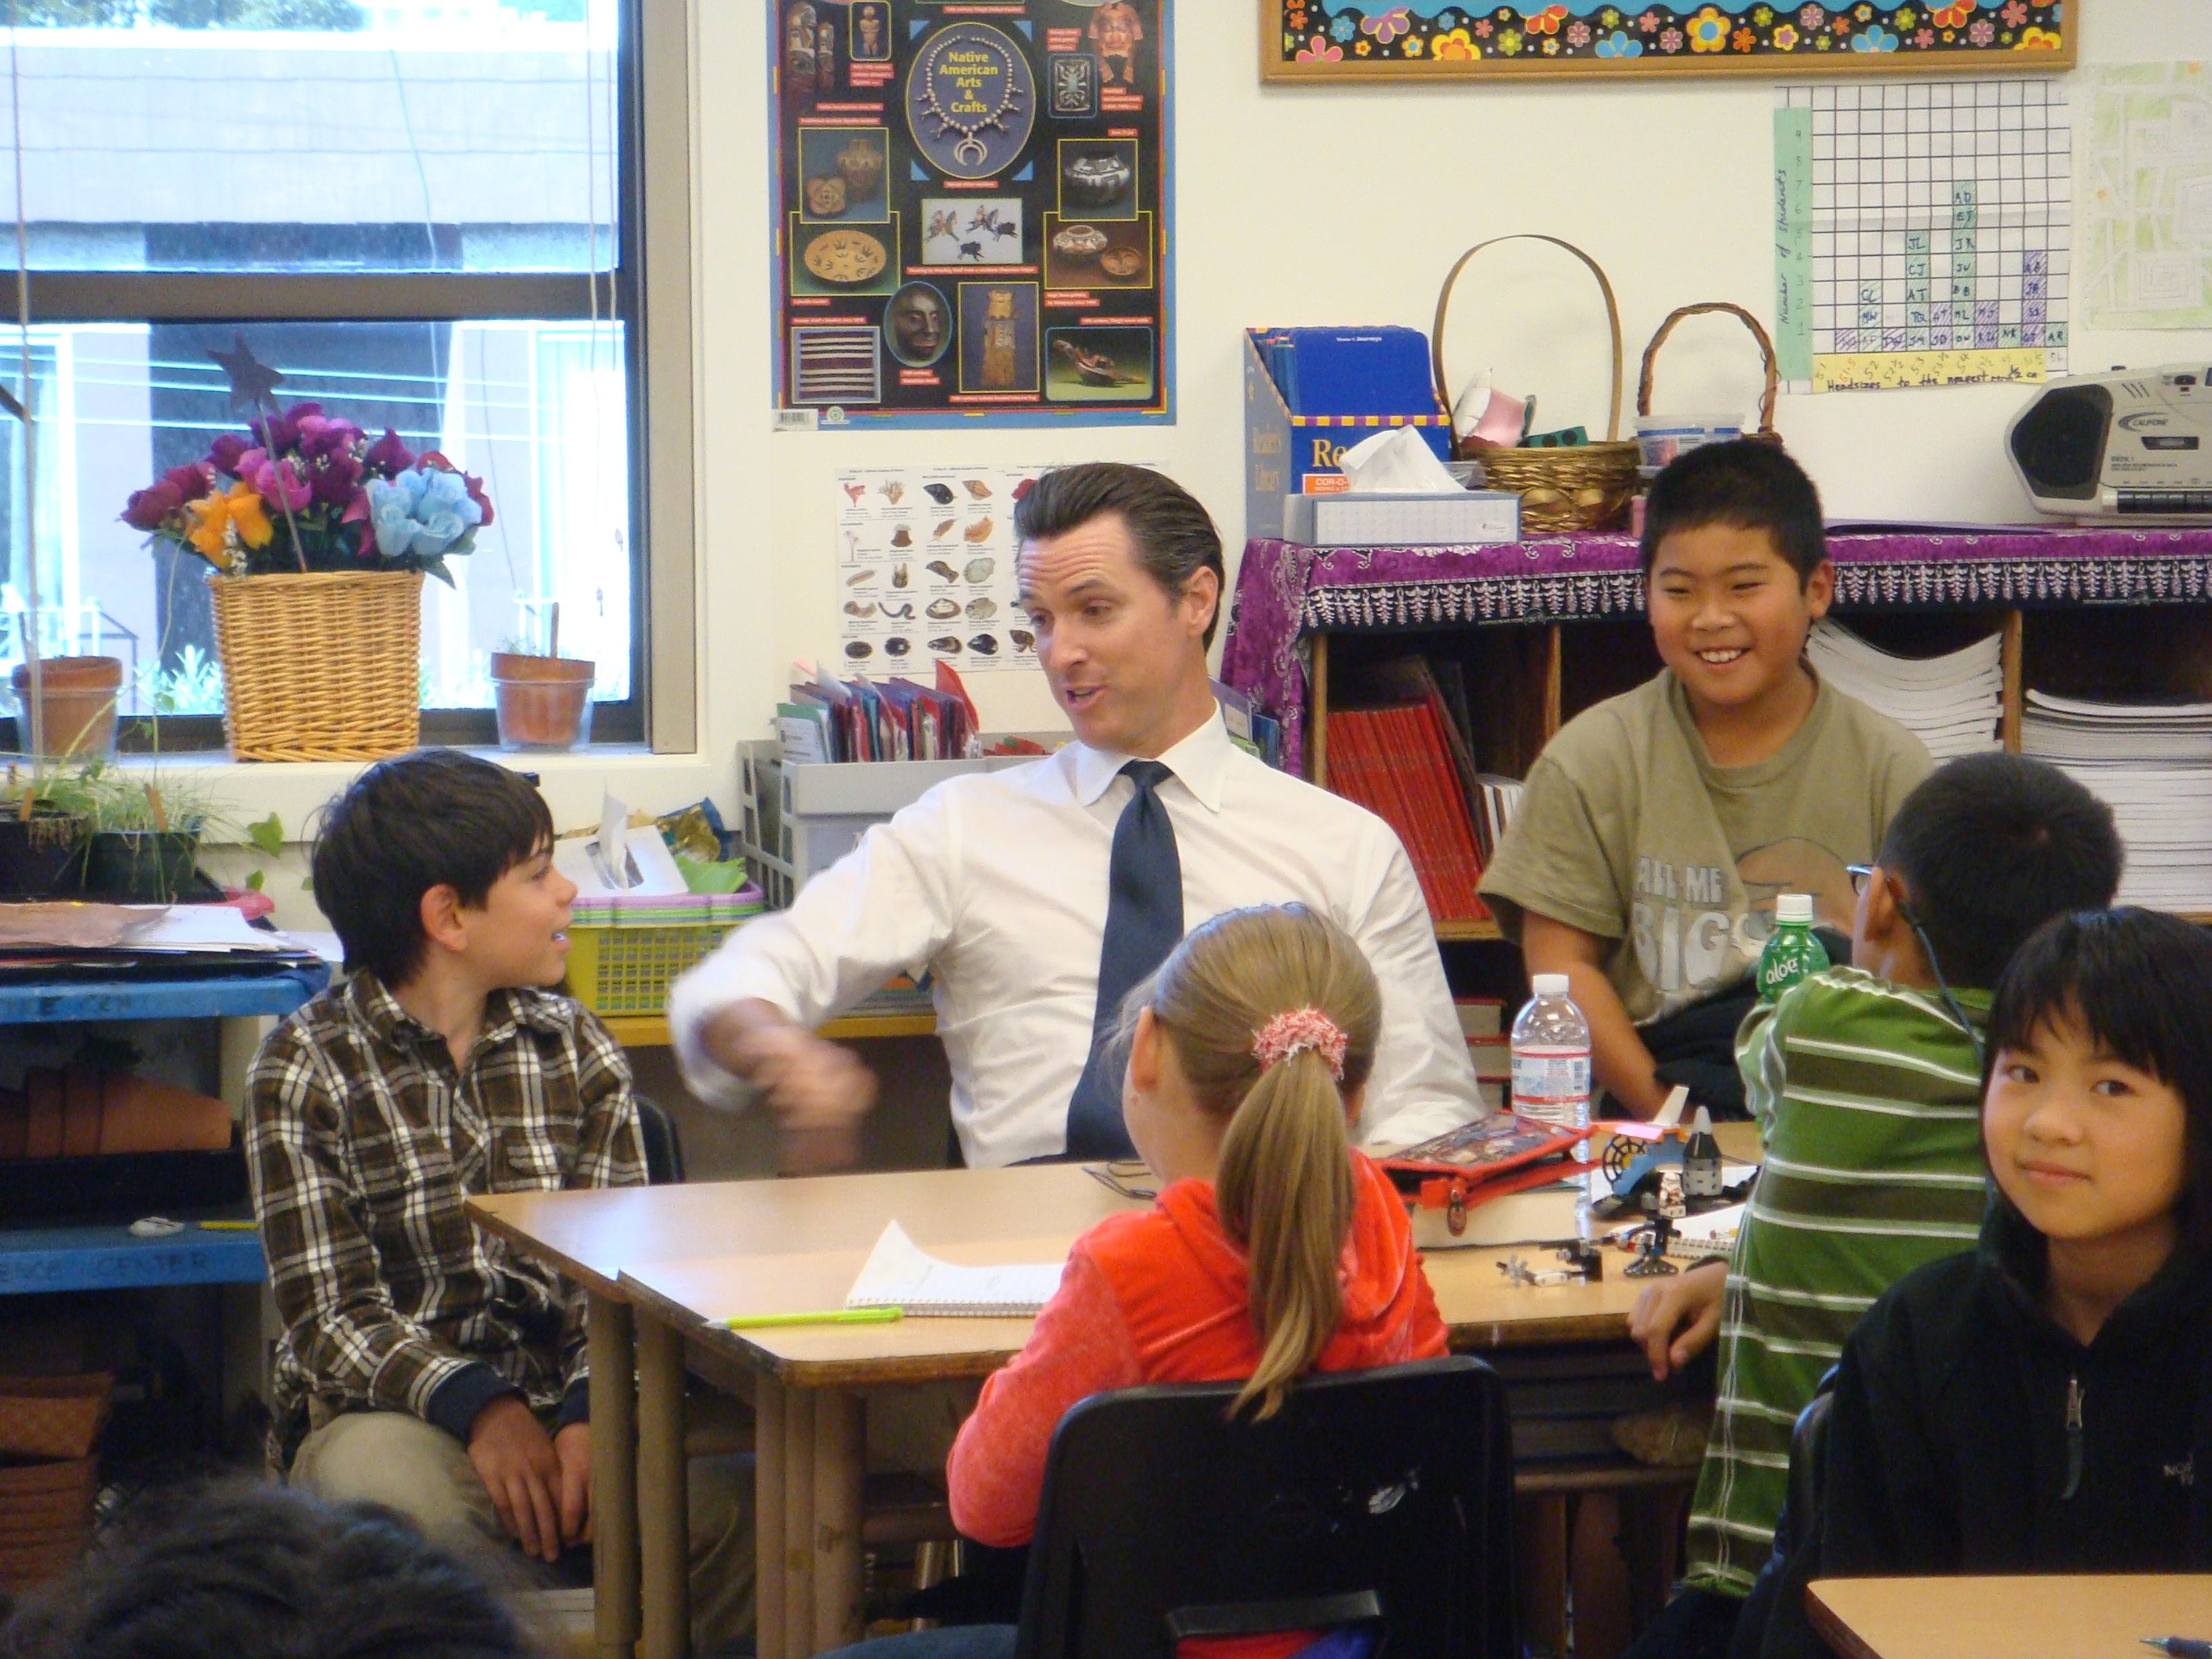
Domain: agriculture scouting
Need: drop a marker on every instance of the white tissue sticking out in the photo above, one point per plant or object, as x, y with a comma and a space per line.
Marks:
1398, 462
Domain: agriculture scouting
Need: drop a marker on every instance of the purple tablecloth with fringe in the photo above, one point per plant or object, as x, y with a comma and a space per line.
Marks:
1285, 591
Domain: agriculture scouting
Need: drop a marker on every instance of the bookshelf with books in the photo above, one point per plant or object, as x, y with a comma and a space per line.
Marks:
2117, 619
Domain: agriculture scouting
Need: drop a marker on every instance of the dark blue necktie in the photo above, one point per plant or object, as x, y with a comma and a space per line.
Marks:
1144, 919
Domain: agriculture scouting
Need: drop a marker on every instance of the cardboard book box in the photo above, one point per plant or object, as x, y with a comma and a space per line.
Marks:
1302, 454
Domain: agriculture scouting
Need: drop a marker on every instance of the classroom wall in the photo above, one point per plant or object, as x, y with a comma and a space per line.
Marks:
1320, 205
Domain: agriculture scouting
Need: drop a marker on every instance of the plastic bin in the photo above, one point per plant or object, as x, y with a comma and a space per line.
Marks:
623, 956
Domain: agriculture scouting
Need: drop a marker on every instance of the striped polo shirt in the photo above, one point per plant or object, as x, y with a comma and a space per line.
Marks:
1867, 1095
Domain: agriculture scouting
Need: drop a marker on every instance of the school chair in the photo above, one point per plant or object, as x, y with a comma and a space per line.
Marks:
664, 1147
1380, 1498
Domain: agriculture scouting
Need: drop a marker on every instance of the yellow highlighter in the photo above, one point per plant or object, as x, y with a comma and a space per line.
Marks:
828, 1316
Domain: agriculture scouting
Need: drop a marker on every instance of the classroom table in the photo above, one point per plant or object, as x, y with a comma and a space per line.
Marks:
2075, 1617
791, 1246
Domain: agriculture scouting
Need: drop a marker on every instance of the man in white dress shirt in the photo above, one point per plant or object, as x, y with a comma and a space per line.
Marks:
998, 883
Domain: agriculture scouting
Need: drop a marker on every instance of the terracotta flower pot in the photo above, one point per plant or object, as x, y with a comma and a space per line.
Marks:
80, 695
544, 702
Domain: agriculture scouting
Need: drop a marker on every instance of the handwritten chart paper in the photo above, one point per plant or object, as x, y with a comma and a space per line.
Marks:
1921, 233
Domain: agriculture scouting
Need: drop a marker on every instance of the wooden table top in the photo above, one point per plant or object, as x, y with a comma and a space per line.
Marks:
708, 1252
2087, 1617
596, 1236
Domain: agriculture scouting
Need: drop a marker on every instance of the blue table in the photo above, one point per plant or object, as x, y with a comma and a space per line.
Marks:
109, 1257
113, 1258
36, 1003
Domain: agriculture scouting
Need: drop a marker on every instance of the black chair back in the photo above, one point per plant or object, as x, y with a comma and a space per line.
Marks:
1383, 1495
1808, 1450
664, 1148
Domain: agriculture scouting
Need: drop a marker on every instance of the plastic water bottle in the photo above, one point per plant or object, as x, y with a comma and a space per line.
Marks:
1551, 1059
1793, 952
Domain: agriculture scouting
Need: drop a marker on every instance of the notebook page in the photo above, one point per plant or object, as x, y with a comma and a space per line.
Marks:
900, 1273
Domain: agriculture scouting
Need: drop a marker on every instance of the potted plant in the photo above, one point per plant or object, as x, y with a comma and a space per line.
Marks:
544, 699
145, 832
42, 831
319, 540
75, 709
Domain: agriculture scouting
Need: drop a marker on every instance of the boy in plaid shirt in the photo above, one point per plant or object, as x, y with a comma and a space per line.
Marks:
423, 1365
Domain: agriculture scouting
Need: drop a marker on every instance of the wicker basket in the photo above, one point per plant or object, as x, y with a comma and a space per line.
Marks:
320, 666
1766, 434
1584, 487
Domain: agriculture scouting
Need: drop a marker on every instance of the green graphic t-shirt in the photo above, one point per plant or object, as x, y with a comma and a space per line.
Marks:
1628, 831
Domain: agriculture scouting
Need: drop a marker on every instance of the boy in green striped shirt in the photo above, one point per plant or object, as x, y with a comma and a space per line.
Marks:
1866, 1082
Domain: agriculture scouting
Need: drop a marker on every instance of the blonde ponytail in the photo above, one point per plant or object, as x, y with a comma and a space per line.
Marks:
1283, 1187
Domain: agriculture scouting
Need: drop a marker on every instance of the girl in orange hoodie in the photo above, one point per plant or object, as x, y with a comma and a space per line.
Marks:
1275, 1249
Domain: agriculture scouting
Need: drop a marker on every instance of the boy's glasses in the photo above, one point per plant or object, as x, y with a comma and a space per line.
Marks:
1860, 875
1122, 1175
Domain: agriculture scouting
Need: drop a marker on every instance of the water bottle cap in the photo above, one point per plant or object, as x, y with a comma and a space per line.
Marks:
1794, 907
1548, 985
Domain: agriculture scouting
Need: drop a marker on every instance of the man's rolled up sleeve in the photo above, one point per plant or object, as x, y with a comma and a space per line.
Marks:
884, 908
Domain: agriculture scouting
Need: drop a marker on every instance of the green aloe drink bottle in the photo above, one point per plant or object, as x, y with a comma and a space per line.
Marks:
1793, 952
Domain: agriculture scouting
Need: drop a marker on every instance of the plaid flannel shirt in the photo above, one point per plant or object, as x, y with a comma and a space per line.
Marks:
363, 1145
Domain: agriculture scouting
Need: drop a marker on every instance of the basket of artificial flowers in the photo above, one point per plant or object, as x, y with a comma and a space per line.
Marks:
317, 540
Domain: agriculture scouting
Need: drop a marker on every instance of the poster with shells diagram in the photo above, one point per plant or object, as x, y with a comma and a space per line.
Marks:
971, 212
926, 570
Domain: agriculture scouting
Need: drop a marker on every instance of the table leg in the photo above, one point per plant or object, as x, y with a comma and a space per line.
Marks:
769, 1398
796, 1556
664, 1524
840, 1423
614, 1477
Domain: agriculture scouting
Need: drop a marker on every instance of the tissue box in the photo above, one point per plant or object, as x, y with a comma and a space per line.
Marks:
1287, 454
1459, 516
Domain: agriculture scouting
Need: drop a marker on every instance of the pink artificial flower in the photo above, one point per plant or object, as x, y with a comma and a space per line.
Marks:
321, 434
280, 486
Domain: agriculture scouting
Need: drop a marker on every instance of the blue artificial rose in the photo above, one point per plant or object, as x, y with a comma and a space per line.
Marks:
421, 514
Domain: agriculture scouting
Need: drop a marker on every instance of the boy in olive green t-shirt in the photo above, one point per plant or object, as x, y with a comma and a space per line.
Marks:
1656, 829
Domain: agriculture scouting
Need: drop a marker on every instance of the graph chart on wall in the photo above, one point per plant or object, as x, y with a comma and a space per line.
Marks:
1922, 233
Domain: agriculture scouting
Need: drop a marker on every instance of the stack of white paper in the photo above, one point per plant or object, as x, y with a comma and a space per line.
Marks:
1950, 703
900, 1273
2152, 763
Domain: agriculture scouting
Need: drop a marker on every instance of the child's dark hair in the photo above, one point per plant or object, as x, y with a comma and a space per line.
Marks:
254, 1569
1744, 485
2139, 983
435, 818
1991, 847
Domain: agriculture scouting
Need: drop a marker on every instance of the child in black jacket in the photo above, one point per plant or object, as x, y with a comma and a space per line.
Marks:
2045, 1403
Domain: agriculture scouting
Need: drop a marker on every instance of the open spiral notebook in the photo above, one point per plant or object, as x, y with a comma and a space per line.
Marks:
899, 1273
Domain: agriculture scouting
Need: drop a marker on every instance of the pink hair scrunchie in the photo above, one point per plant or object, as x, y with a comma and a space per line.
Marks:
1301, 1027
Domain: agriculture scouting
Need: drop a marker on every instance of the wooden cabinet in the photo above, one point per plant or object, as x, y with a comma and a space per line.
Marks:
1538, 633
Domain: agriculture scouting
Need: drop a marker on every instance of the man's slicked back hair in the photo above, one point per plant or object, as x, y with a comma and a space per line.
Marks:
1175, 535
435, 818
1991, 847
1744, 485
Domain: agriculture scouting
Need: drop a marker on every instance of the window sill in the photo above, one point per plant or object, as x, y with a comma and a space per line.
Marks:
573, 783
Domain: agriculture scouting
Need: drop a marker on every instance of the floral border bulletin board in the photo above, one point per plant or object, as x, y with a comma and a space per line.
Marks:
1376, 40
